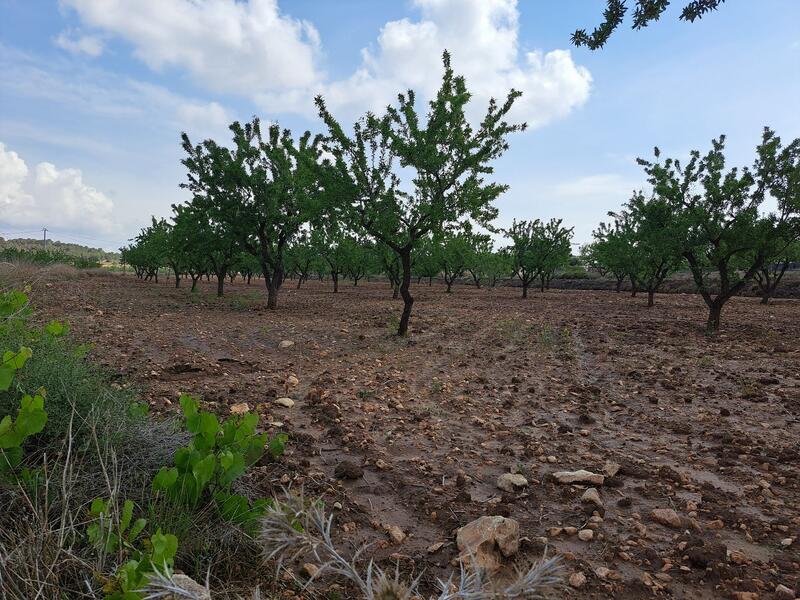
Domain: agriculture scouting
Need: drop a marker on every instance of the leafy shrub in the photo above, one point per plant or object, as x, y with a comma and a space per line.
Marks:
74, 385
218, 454
110, 535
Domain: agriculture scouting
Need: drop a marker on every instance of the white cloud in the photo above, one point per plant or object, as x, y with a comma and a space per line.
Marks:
48, 195
75, 43
228, 46
483, 38
251, 49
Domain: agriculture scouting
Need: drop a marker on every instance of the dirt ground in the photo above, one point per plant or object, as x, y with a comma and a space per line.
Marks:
490, 383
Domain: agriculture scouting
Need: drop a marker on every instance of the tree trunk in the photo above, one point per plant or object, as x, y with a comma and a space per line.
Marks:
650, 298
395, 291
299, 282
714, 314
619, 284
525, 289
220, 284
335, 277
449, 286
765, 296
408, 300
430, 281
177, 278
194, 282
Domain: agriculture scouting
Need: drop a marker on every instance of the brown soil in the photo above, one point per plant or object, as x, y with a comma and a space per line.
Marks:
488, 382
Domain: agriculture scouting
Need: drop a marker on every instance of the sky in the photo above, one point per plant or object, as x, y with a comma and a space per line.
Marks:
94, 94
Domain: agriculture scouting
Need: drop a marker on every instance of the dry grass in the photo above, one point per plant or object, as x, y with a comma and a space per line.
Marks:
294, 528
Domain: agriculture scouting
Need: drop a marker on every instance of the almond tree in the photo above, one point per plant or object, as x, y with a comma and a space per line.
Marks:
537, 249
455, 255
652, 248
447, 157
723, 230
770, 275
216, 208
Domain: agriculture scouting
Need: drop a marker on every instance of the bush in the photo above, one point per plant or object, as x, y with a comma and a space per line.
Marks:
75, 387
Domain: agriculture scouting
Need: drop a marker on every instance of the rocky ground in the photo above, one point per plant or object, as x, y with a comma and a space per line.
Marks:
689, 444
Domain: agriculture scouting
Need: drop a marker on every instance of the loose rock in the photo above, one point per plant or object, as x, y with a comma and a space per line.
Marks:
398, 535
286, 344
591, 496
580, 476
240, 408
666, 516
510, 482
189, 585
487, 540
577, 580
586, 535
285, 402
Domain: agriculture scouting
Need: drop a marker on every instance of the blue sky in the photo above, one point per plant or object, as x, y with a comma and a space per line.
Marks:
94, 93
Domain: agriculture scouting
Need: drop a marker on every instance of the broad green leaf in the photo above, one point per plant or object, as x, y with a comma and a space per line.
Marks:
203, 471
165, 479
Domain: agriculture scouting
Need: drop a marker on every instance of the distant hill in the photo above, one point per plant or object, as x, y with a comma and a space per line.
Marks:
69, 249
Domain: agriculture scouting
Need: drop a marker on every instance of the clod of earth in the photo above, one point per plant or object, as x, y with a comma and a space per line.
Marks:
348, 470
286, 344
487, 540
285, 402
580, 476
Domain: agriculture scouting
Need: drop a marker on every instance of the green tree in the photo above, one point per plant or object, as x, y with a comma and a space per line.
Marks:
611, 252
213, 180
455, 255
537, 249
646, 12
653, 250
302, 258
427, 260
278, 185
189, 235
723, 231
771, 273
481, 257
448, 158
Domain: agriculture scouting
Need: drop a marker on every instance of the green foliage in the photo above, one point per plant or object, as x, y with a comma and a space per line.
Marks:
538, 249
646, 12
30, 420
717, 211
448, 160
39, 256
644, 242
111, 532
217, 455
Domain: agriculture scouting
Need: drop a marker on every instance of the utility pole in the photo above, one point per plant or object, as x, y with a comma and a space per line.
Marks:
44, 231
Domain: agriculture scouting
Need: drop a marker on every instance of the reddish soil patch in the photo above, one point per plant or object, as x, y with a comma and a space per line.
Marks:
486, 383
